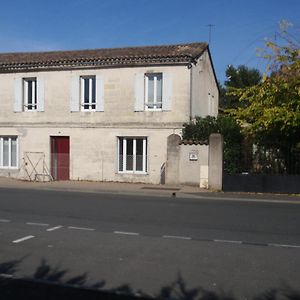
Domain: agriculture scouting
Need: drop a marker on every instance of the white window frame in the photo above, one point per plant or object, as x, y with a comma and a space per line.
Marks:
124, 155
92, 102
155, 103
34, 101
9, 152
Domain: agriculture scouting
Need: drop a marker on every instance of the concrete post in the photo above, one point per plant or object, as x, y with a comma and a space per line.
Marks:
172, 164
215, 162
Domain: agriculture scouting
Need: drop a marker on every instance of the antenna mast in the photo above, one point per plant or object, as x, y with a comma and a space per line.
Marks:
209, 32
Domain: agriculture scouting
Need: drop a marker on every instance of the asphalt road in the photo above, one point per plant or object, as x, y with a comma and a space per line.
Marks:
242, 248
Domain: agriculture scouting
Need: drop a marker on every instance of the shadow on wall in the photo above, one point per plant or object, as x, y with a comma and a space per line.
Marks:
49, 283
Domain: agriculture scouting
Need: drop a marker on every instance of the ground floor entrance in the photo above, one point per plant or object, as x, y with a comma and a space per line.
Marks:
60, 157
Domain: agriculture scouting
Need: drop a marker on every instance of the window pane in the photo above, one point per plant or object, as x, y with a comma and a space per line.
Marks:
94, 90
139, 146
86, 91
150, 89
120, 154
29, 84
139, 155
34, 101
129, 154
159, 88
5, 152
129, 146
13, 152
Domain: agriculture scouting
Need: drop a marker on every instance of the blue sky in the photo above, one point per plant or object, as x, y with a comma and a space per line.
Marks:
239, 26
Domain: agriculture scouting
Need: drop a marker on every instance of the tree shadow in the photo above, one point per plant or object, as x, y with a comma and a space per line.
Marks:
49, 283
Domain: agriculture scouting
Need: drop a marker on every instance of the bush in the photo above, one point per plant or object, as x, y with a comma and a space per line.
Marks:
202, 128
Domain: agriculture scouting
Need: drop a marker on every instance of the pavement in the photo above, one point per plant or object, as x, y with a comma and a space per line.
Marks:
180, 191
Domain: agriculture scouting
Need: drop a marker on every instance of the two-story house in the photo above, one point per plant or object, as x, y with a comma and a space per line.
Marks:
102, 114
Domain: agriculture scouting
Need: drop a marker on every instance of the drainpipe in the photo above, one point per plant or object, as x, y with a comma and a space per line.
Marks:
191, 90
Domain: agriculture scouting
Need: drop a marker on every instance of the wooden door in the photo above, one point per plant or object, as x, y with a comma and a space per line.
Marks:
60, 157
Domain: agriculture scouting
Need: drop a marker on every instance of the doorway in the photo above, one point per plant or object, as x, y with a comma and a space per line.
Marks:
60, 157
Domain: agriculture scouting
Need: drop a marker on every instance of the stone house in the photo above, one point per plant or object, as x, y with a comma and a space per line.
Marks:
102, 114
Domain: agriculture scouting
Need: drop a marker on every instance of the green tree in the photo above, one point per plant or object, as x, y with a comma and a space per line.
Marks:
201, 128
240, 77
272, 111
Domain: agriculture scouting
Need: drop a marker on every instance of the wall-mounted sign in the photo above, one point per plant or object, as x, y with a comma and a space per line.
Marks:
193, 155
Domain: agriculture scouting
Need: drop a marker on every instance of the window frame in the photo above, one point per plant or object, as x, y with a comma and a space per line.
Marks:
10, 137
92, 102
146, 93
124, 140
34, 95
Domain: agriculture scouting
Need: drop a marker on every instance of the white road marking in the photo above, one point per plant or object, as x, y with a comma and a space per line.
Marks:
37, 224
23, 239
283, 245
228, 241
81, 228
4, 221
177, 237
6, 275
54, 228
126, 233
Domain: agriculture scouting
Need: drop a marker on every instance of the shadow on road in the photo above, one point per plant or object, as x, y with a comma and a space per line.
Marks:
48, 283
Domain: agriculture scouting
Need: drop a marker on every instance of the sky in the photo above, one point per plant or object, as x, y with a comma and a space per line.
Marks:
238, 27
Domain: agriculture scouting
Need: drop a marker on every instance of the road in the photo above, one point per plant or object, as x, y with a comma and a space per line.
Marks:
240, 248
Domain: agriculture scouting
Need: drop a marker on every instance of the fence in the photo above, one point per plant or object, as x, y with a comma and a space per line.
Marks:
273, 167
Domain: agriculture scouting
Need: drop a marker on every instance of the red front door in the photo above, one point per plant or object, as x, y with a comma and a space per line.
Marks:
60, 157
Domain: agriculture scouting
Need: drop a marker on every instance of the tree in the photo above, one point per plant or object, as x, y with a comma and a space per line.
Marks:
201, 128
239, 77
272, 111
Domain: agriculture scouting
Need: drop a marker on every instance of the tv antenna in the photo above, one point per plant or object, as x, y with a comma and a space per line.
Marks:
209, 32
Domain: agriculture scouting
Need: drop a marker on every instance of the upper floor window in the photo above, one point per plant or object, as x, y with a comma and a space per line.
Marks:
88, 92
30, 94
153, 91
8, 152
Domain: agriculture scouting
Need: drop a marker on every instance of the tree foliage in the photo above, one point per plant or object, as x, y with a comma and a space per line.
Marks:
272, 113
201, 128
239, 77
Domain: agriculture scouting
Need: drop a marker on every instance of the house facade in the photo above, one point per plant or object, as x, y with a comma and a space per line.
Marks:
101, 114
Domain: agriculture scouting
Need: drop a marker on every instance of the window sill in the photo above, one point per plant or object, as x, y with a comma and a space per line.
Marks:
133, 173
153, 109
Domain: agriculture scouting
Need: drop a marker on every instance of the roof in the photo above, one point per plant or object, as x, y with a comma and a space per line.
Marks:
112, 57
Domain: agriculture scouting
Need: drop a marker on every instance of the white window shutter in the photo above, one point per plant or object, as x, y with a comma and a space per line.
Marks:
139, 92
18, 104
75, 92
99, 93
167, 91
40, 94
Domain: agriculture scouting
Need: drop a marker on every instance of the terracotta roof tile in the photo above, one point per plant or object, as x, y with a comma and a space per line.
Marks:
165, 54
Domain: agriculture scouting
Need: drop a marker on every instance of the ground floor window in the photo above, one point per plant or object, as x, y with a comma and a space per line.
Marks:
8, 151
132, 154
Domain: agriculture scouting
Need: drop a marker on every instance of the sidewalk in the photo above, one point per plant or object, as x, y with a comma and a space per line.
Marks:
143, 189
101, 187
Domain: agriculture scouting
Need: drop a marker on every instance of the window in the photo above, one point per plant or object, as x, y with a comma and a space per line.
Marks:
132, 153
88, 92
153, 91
8, 152
30, 94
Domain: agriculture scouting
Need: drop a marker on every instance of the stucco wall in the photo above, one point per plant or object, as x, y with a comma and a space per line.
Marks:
119, 98
193, 172
93, 151
204, 90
